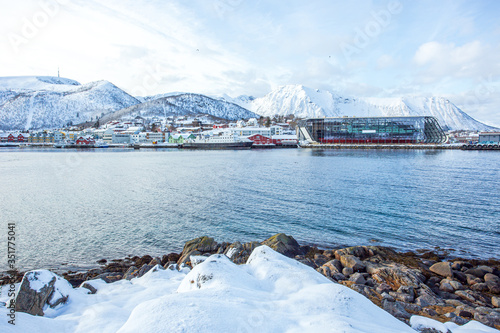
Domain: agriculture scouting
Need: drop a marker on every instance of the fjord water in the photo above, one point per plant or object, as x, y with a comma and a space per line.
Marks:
75, 207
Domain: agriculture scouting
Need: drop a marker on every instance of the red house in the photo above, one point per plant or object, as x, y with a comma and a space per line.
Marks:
259, 139
85, 141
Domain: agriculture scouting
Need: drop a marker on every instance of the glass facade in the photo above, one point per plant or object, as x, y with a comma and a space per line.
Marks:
371, 130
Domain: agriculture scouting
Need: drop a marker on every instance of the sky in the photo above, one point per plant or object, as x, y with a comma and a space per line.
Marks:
362, 48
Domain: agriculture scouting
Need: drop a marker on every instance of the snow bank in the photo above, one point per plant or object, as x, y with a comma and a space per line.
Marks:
271, 293
420, 323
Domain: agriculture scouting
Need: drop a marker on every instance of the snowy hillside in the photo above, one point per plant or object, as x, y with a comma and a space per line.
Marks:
305, 102
183, 104
52, 102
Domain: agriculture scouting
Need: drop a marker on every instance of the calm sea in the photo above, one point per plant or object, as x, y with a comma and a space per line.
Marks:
75, 207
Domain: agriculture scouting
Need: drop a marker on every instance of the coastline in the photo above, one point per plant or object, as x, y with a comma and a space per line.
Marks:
425, 283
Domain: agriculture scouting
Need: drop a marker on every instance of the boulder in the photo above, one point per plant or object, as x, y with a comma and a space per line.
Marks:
155, 261
493, 287
480, 287
334, 265
357, 278
131, 273
90, 287
395, 309
476, 272
347, 271
489, 277
396, 275
283, 244
495, 301
442, 268
353, 262
109, 277
197, 246
40, 289
447, 287
456, 285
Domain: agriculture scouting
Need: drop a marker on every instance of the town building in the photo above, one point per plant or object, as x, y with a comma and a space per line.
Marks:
371, 130
489, 137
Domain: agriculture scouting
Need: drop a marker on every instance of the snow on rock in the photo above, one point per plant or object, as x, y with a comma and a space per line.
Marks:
51, 102
41, 289
304, 102
420, 324
270, 293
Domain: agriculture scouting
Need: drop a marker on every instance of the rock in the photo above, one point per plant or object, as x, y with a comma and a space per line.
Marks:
329, 254
407, 290
456, 285
495, 301
472, 279
450, 315
433, 280
493, 287
41, 288
485, 269
466, 295
388, 297
489, 277
308, 262
197, 246
401, 297
173, 257
155, 261
195, 260
464, 313
476, 272
325, 270
357, 278
429, 311
459, 320
480, 287
383, 287
456, 266
143, 260
353, 262
131, 273
371, 282
446, 287
320, 259
454, 302
338, 277
395, 309
144, 269
427, 297
347, 271
89, 286
460, 276
283, 244
334, 265
109, 277
396, 275
442, 268
102, 261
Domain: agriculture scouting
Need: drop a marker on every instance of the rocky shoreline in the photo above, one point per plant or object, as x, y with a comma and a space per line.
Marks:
403, 284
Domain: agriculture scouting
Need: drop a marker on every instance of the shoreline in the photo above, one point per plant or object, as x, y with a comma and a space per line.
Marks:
422, 282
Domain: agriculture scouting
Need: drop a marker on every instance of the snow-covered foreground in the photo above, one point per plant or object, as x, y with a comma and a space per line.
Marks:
271, 293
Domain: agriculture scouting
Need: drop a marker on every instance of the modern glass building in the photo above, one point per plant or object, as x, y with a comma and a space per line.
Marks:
371, 130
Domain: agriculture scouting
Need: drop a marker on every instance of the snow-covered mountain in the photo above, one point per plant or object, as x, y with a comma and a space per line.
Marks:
50, 102
183, 104
305, 102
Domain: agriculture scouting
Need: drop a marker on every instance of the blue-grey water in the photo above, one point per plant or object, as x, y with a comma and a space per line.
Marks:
74, 207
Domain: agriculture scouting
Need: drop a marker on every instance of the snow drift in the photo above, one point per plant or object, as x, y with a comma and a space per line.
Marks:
270, 293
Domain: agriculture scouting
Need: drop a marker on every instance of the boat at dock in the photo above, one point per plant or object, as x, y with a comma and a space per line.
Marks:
221, 140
